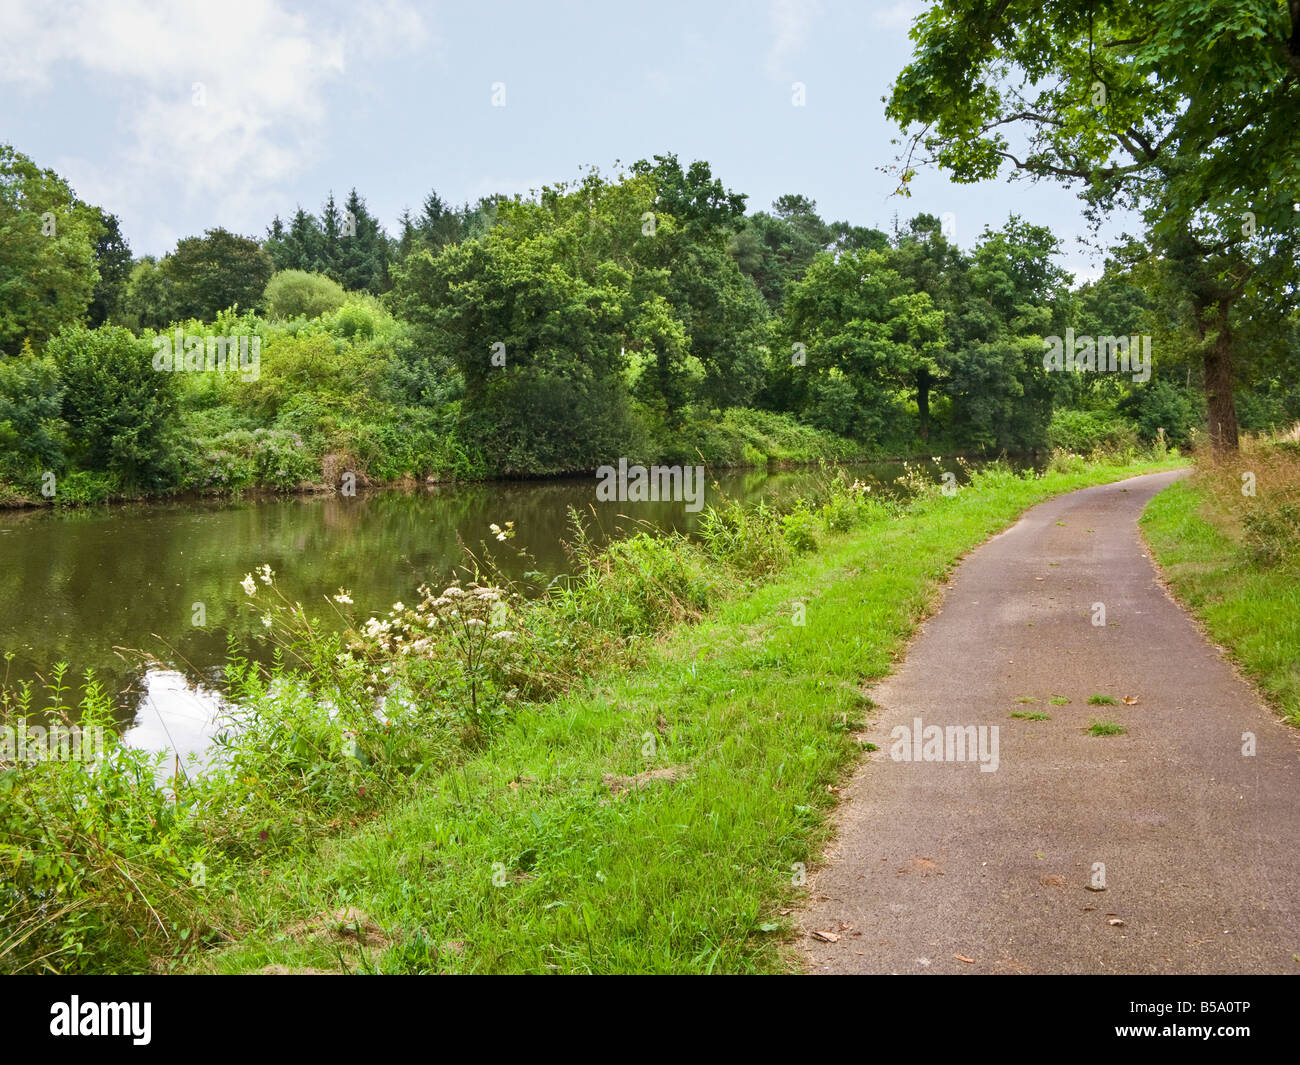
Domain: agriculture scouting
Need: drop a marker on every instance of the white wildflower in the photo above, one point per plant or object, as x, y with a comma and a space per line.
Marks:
248, 585
265, 573
343, 597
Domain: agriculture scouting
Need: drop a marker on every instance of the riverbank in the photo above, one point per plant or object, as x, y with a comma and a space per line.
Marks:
651, 822
1227, 542
581, 795
261, 462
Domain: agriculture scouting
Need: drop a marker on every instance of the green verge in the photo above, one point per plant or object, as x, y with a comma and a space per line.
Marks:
654, 821
1251, 609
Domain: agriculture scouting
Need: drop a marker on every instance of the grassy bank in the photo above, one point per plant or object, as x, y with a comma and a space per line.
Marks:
1234, 559
618, 774
650, 821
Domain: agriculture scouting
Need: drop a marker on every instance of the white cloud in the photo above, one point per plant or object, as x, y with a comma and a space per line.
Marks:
220, 101
790, 20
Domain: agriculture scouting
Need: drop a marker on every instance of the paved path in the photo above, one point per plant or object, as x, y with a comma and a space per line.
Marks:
1200, 844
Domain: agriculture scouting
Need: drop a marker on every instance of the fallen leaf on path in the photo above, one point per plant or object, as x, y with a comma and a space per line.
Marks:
1052, 881
1130, 699
962, 957
826, 937
1115, 922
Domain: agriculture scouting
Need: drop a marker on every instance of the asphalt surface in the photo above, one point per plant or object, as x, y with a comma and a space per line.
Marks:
942, 867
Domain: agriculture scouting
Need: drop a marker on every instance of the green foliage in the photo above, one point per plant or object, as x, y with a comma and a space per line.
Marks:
31, 429
1272, 532
291, 293
149, 303
92, 850
216, 272
1085, 432
1161, 405
47, 253
799, 527
118, 409
239, 459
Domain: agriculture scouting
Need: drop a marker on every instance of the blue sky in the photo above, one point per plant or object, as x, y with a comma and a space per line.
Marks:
395, 97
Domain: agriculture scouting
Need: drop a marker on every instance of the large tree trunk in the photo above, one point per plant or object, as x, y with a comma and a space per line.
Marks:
1216, 358
1221, 404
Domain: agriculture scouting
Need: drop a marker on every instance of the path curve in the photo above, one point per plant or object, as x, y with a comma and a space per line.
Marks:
940, 867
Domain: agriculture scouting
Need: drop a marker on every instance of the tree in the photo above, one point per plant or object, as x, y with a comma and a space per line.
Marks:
1182, 109
297, 247
215, 272
148, 302
693, 196
116, 406
866, 334
113, 260
1001, 393
938, 268
440, 224
331, 226
537, 316
47, 253
363, 254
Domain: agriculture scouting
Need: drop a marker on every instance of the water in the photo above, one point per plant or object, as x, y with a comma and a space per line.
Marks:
119, 589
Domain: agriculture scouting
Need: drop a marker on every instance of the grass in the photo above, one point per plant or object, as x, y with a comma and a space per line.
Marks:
1106, 728
1102, 700
1032, 716
1060, 700
1234, 561
652, 820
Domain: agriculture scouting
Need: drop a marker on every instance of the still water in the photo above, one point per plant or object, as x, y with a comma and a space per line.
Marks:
119, 589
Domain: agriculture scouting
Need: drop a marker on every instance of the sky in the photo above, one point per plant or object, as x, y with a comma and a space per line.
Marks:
180, 117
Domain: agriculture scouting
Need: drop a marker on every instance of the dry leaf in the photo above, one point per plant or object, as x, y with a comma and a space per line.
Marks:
1115, 922
826, 937
962, 957
1129, 700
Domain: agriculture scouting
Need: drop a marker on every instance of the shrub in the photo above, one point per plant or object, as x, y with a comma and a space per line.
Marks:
1272, 532
1085, 431
242, 458
117, 407
291, 293
799, 527
354, 321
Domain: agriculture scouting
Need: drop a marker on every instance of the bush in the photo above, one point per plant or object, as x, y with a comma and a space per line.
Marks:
800, 529
291, 293
117, 406
1272, 532
1086, 431
239, 459
750, 539
354, 321
1160, 405
31, 398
